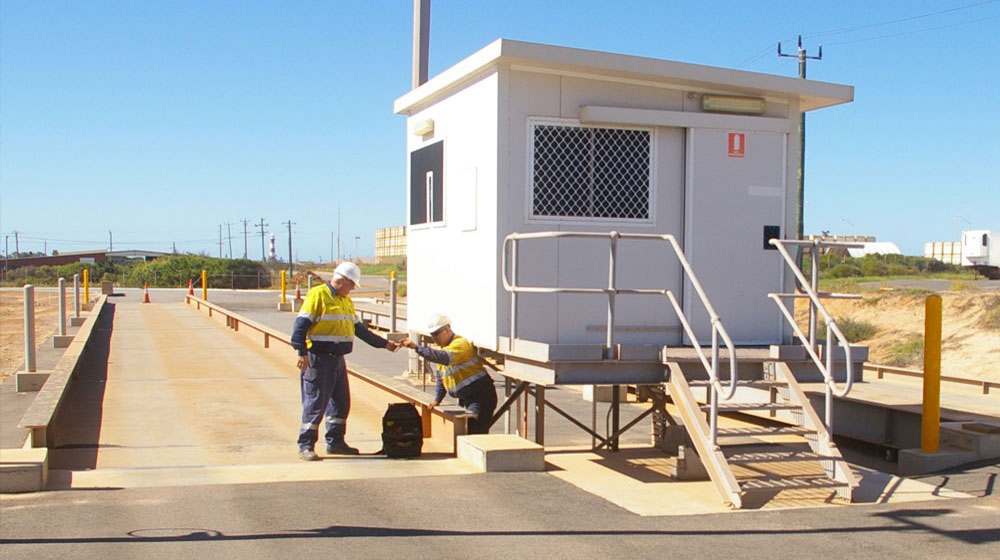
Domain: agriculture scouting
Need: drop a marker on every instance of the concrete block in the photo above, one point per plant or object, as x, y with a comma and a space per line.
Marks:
107, 288
23, 470
287, 306
688, 465
297, 305
87, 306
983, 438
501, 453
915, 461
603, 393
61, 341
396, 336
25, 382
76, 321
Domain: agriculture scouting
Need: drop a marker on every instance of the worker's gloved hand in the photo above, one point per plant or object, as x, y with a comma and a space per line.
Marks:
432, 405
408, 343
391, 346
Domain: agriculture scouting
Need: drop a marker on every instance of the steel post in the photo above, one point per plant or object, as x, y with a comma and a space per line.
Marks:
86, 286
76, 295
392, 301
615, 417
931, 417
610, 337
513, 295
204, 284
814, 283
29, 328
62, 307
540, 414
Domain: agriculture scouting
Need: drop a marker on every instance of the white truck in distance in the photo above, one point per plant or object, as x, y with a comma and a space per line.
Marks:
981, 251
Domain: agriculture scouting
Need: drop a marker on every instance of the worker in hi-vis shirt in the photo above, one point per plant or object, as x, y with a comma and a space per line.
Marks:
460, 373
324, 332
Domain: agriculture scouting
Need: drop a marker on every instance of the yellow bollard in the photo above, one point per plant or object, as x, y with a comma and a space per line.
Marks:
204, 284
86, 285
931, 419
283, 285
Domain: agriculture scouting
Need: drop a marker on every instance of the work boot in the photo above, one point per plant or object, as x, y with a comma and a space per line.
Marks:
340, 448
308, 455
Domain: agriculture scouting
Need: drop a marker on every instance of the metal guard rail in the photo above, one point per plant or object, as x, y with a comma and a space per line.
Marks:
718, 330
831, 325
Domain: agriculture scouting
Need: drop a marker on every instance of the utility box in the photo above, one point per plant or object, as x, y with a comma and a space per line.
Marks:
522, 137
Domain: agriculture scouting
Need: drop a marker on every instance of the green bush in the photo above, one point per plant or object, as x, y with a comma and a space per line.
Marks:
910, 352
854, 331
844, 271
899, 269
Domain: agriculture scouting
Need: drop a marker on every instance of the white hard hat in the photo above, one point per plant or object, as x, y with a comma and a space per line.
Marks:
438, 321
350, 271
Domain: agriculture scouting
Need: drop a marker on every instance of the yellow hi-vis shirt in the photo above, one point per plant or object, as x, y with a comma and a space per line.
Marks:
463, 368
332, 317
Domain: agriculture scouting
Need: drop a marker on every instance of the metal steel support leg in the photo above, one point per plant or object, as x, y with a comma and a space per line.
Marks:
540, 414
615, 417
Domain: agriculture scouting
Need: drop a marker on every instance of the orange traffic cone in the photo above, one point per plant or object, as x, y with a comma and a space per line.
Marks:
190, 287
145, 292
298, 293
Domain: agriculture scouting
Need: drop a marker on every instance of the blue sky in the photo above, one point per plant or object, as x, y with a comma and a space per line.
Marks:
160, 121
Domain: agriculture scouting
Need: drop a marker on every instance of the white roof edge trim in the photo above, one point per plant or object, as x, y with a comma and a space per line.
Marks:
812, 94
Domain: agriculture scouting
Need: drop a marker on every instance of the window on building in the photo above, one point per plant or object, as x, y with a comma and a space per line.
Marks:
427, 184
590, 172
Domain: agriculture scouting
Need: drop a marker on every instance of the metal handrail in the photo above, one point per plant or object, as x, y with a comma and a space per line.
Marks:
718, 330
809, 342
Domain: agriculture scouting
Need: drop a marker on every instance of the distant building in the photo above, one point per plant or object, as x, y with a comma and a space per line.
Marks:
390, 245
948, 252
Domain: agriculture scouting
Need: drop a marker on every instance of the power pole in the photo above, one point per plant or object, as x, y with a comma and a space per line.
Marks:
111, 242
17, 245
263, 253
356, 239
290, 223
229, 235
245, 222
331, 246
220, 241
338, 234
802, 136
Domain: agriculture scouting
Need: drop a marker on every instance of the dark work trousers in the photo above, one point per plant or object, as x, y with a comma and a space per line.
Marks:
482, 401
324, 388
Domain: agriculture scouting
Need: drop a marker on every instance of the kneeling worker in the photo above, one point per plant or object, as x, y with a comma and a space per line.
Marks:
323, 333
460, 372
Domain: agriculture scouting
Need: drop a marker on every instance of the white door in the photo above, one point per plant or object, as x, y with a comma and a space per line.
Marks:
735, 200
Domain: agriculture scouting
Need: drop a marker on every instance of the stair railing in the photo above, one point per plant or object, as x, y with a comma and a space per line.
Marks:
711, 365
816, 306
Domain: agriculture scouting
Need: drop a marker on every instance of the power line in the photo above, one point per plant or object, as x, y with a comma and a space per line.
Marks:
900, 20
916, 31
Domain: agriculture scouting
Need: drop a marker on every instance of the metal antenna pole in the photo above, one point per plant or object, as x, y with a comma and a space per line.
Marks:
289, 223
801, 55
263, 252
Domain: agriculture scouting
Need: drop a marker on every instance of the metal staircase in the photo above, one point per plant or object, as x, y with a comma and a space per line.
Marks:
739, 461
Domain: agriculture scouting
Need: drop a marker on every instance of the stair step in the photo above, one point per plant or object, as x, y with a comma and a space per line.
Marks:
756, 384
777, 457
765, 431
778, 484
737, 407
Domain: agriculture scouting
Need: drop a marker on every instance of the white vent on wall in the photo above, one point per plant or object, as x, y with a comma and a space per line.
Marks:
590, 173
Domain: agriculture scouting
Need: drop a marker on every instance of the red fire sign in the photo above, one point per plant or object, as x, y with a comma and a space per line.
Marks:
737, 144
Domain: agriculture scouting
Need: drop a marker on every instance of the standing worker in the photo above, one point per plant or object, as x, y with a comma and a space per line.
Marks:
460, 372
324, 332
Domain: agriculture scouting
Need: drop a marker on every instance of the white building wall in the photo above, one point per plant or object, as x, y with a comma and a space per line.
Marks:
451, 266
576, 318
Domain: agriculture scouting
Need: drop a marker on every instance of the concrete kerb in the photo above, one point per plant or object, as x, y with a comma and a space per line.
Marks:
26, 470
442, 424
45, 407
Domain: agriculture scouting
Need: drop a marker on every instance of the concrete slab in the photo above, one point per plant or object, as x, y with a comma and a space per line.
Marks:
61, 341
29, 382
916, 461
638, 479
76, 321
23, 470
501, 453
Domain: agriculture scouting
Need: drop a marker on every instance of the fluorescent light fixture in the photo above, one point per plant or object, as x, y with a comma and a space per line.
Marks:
425, 126
732, 104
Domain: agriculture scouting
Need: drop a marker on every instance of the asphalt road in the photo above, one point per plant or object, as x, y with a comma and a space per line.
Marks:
482, 516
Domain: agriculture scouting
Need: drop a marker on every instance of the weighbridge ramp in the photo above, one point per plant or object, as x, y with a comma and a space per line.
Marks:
795, 454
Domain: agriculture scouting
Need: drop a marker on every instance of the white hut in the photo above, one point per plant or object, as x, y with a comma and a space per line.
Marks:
523, 137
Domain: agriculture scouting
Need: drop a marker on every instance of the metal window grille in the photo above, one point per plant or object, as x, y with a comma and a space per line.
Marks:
590, 172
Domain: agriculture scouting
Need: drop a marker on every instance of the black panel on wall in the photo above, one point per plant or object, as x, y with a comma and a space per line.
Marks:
426, 159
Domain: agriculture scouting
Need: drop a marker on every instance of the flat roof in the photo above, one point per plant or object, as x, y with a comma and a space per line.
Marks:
534, 56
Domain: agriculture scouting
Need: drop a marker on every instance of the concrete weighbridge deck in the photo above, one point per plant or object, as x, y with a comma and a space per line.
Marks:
184, 400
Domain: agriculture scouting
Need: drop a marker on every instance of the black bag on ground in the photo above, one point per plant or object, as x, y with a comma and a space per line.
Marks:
402, 431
